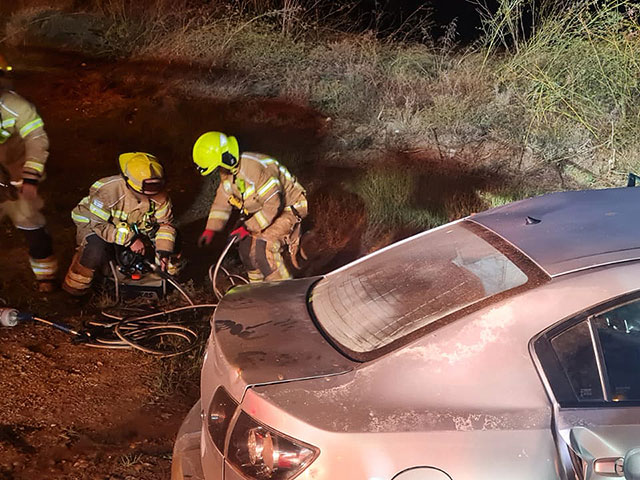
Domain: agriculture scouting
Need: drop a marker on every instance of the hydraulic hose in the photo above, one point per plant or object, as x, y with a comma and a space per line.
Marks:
215, 269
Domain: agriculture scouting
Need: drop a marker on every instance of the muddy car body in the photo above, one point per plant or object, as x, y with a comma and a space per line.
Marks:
503, 345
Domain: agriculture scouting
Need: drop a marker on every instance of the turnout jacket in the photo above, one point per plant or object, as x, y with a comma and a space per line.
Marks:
116, 214
20, 120
261, 189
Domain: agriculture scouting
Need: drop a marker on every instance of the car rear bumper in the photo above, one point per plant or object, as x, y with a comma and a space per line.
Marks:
185, 463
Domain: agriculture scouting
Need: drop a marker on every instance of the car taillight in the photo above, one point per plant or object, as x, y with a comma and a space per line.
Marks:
262, 453
221, 410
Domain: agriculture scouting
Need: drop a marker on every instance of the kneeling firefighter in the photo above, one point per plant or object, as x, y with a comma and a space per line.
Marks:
122, 210
272, 204
24, 148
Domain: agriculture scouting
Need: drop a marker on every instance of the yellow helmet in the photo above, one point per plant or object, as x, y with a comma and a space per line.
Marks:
143, 173
215, 149
5, 67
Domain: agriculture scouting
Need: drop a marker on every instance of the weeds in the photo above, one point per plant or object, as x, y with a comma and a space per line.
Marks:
130, 459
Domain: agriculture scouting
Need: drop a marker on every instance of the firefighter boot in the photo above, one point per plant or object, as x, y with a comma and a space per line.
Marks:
45, 270
43, 263
78, 279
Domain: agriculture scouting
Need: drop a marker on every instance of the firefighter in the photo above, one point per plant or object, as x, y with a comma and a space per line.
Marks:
272, 204
24, 148
122, 210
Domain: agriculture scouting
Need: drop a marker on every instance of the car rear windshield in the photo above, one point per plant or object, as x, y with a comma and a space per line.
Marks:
373, 302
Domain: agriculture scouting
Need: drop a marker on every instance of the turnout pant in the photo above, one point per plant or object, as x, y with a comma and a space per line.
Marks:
262, 253
89, 256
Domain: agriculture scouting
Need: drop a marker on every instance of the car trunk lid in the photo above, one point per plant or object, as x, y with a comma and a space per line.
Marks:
265, 332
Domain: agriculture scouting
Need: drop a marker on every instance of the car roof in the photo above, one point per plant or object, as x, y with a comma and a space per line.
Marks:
569, 231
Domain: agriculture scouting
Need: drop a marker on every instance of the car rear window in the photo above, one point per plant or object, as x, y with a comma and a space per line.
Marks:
375, 301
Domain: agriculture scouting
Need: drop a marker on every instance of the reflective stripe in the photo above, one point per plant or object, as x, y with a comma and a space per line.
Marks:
9, 122
33, 165
264, 161
264, 189
261, 219
31, 126
119, 214
162, 211
77, 280
8, 109
98, 212
165, 236
226, 185
219, 214
281, 267
251, 189
299, 205
44, 268
122, 232
255, 276
79, 218
286, 173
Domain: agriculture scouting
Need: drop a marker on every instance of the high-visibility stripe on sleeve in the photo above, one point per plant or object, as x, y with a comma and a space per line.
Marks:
79, 218
285, 173
31, 126
122, 233
251, 189
34, 165
264, 161
8, 123
162, 211
170, 237
98, 211
269, 184
262, 221
219, 214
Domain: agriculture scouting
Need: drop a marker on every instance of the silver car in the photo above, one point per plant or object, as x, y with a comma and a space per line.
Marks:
505, 345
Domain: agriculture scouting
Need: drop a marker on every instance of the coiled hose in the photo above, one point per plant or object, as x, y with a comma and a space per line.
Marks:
150, 333
155, 333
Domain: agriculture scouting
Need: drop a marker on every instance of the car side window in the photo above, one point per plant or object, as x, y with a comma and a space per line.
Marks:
575, 352
618, 333
598, 357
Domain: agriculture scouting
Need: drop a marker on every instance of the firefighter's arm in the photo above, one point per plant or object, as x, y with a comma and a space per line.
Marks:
270, 201
166, 234
101, 224
220, 208
31, 128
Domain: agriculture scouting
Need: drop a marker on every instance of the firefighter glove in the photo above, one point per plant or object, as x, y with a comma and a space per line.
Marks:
205, 238
162, 259
239, 233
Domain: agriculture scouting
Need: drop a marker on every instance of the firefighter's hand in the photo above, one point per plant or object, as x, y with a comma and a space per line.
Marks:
163, 259
239, 233
205, 238
29, 191
137, 246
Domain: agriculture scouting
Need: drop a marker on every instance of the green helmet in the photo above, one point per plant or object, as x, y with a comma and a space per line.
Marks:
215, 149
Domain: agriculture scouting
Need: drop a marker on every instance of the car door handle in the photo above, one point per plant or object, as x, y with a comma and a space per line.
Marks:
609, 467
